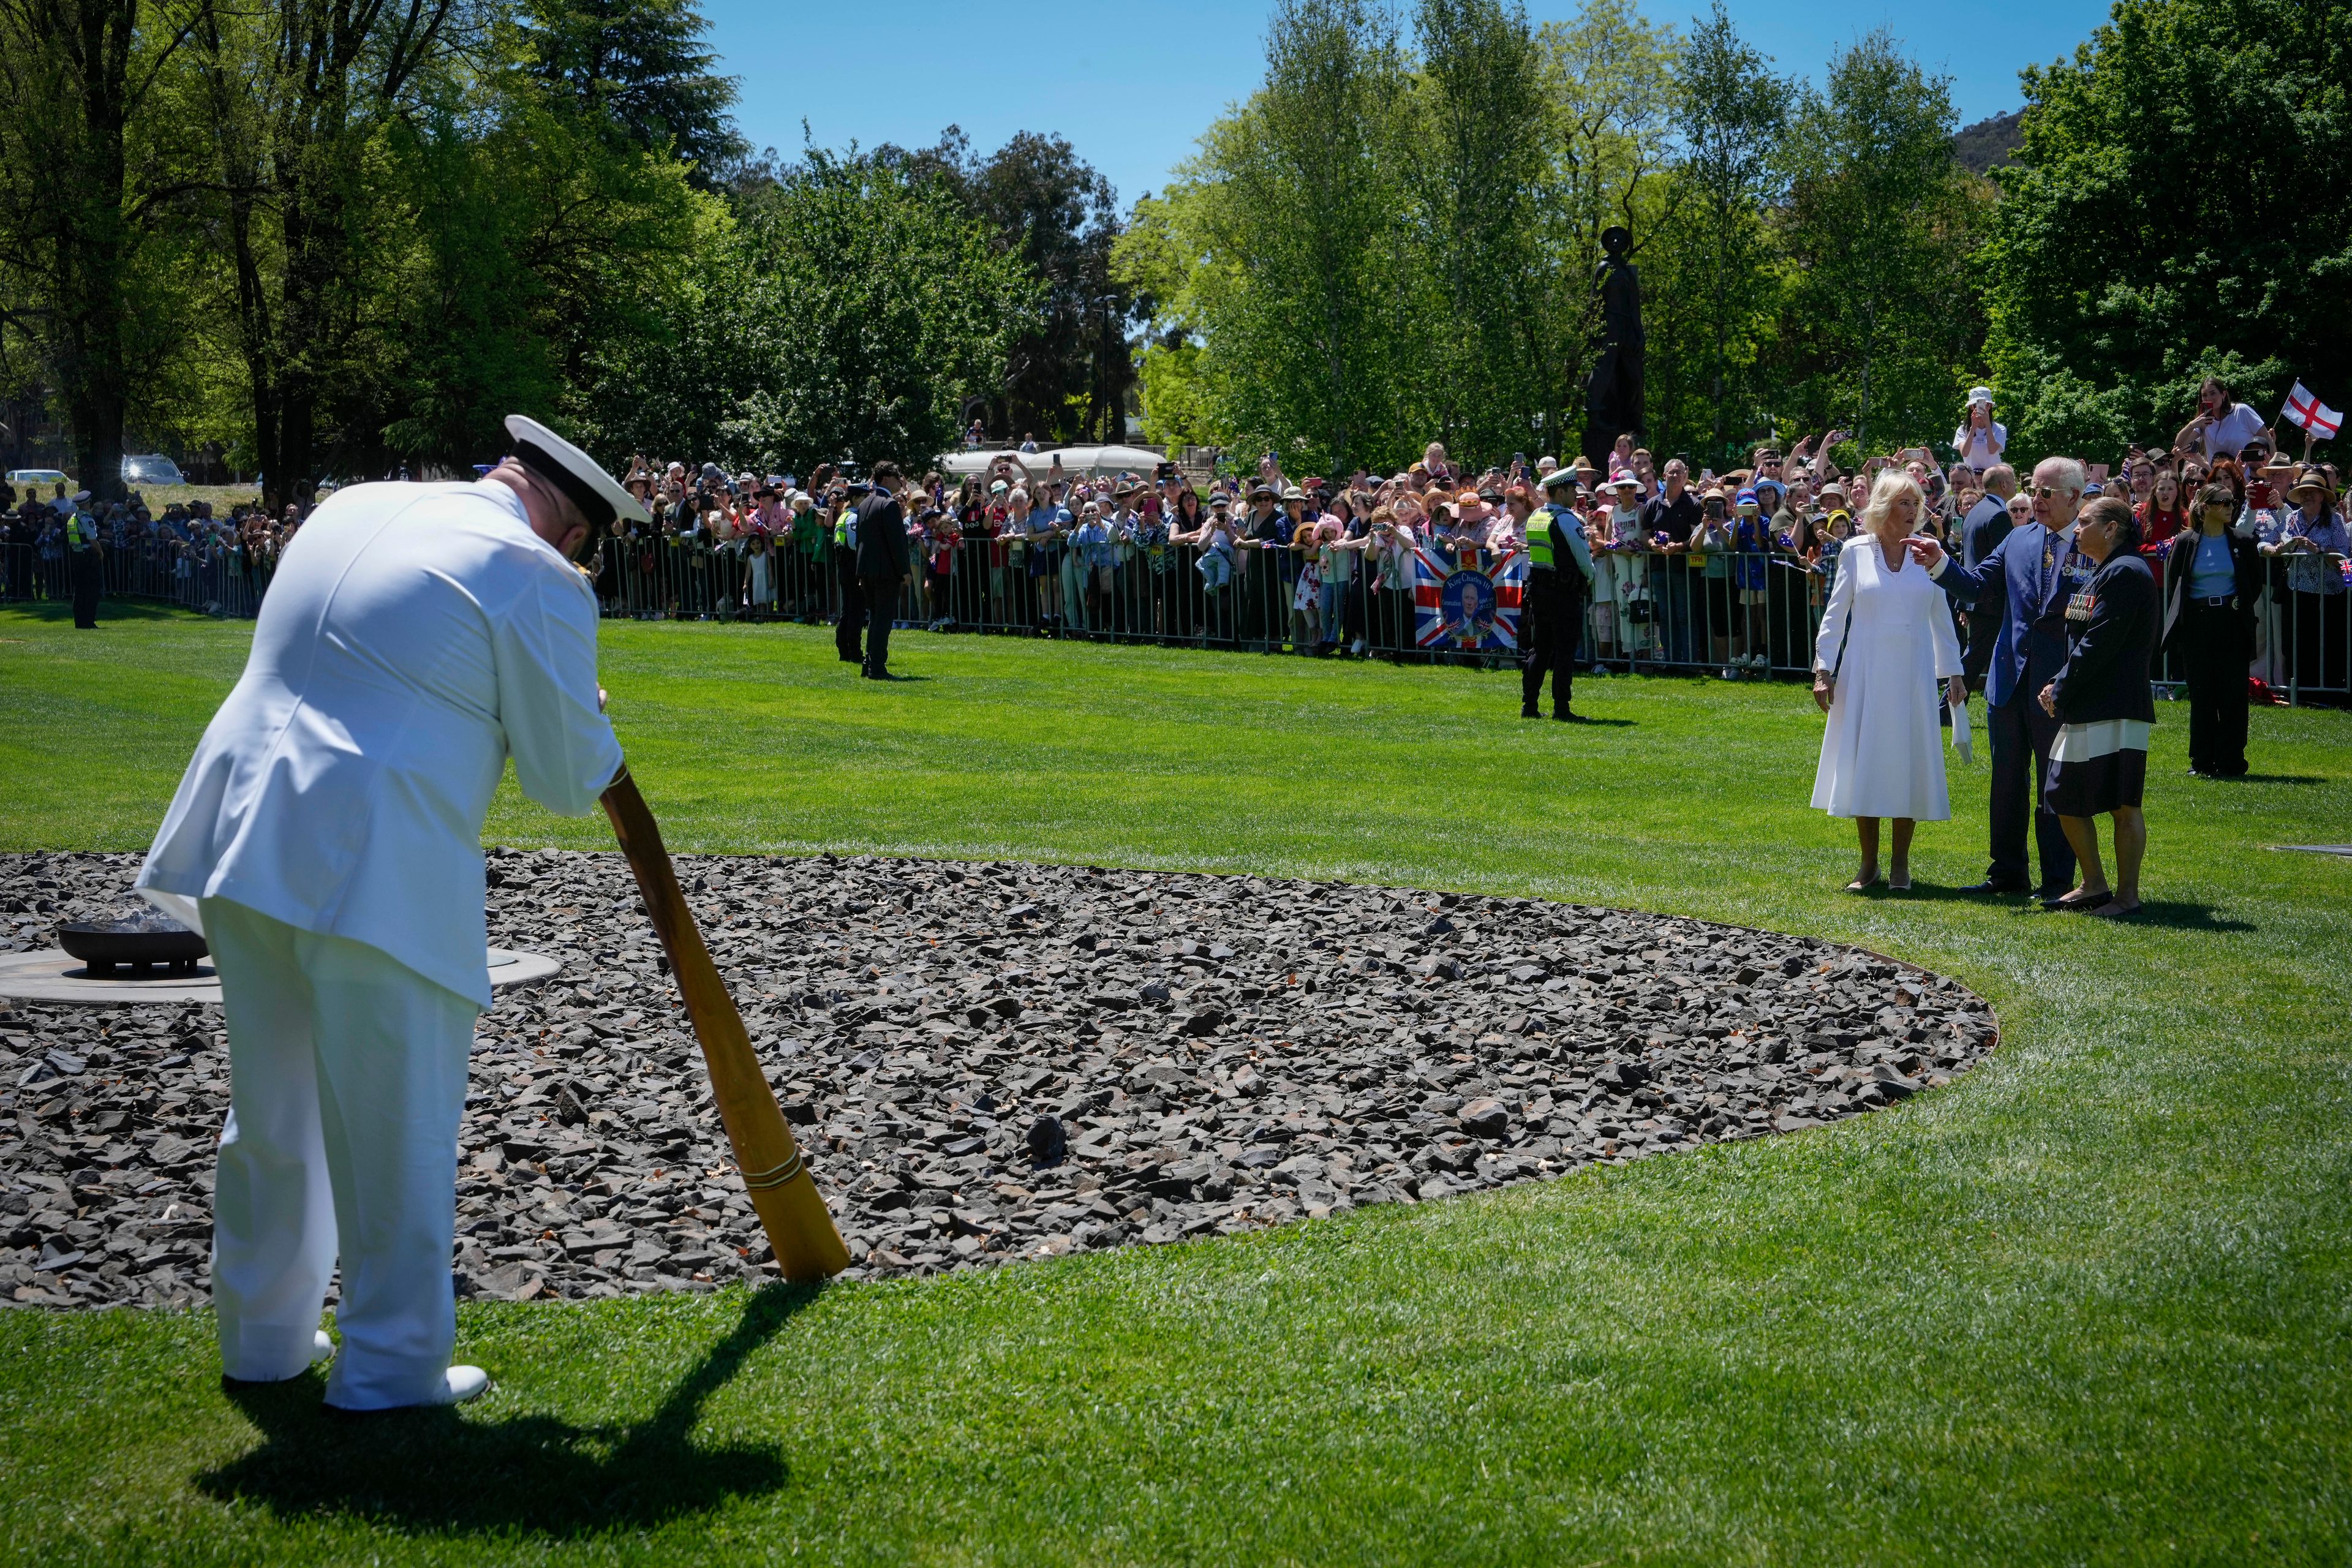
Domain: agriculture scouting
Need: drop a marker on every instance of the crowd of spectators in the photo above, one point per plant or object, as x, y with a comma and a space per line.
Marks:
1727, 572
186, 553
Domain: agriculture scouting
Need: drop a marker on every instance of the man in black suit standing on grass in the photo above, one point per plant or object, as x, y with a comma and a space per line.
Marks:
884, 563
1986, 524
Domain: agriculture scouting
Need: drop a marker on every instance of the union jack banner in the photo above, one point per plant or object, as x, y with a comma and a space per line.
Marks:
1470, 608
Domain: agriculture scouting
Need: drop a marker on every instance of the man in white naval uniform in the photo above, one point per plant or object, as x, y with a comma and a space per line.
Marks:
327, 841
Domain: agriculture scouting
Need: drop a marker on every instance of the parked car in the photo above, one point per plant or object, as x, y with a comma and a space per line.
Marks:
151, 469
21, 476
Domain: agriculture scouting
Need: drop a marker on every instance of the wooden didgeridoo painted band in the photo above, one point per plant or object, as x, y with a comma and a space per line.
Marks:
800, 1228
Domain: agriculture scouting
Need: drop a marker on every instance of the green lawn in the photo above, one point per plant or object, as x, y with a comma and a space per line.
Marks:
2088, 1305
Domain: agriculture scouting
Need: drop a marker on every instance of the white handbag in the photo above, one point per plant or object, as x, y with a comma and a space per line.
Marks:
1963, 742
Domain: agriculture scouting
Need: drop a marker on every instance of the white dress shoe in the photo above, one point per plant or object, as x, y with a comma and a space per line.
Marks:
460, 1383
323, 1351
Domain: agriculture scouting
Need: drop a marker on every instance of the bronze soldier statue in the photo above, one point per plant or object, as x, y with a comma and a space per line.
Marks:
1614, 396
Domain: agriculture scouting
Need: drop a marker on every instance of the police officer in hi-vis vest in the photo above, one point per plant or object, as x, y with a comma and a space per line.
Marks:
848, 633
82, 565
1552, 615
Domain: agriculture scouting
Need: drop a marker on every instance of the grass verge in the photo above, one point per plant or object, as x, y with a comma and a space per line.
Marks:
2088, 1305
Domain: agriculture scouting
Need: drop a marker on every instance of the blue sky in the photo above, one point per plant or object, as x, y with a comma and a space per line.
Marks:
1132, 85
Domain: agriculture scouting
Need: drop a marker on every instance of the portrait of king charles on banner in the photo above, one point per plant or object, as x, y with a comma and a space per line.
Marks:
1468, 608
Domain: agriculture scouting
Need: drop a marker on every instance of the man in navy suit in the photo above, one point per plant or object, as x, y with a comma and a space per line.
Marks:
2025, 581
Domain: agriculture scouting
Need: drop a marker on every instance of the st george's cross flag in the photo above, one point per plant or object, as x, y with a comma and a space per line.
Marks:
2318, 421
1465, 607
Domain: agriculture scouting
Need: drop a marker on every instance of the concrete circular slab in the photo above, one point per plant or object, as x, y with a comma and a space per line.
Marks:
51, 975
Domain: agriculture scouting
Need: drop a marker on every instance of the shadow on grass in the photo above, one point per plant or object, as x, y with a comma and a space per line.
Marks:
59, 612
2171, 914
2175, 915
438, 1471
1926, 893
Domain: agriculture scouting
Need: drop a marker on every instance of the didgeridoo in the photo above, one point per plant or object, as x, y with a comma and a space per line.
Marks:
800, 1228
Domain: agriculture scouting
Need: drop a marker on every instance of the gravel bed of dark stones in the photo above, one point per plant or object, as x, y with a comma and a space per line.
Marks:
984, 1063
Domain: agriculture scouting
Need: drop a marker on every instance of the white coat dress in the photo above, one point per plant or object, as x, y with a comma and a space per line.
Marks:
1888, 635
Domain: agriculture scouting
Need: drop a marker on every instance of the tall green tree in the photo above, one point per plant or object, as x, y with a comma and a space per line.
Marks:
1385, 245
1477, 174
77, 204
416, 227
1069, 370
1716, 278
1879, 225
2177, 208
1281, 251
848, 313
1072, 368
1152, 262
307, 88
640, 70
534, 243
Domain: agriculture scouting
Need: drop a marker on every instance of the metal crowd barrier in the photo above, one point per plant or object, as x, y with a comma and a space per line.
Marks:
210, 577
216, 578
1646, 611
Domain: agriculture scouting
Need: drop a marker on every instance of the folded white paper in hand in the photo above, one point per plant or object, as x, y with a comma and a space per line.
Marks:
1963, 742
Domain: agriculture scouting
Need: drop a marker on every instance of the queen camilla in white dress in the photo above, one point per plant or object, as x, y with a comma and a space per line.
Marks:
1887, 639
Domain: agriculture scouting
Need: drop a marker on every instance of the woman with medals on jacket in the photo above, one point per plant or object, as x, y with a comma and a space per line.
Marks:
2098, 764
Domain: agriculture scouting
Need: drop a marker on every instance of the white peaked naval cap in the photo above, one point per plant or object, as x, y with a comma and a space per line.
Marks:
572, 471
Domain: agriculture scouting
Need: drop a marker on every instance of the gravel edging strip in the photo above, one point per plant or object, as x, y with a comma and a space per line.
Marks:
985, 1062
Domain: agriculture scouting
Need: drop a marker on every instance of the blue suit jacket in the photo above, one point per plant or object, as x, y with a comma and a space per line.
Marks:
2031, 607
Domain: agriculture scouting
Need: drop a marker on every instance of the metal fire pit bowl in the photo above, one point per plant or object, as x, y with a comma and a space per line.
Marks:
104, 946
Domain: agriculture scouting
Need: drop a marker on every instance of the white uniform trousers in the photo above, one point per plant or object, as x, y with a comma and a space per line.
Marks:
346, 1077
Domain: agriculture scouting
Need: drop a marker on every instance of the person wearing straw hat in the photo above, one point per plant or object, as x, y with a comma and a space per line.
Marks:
326, 840
2313, 544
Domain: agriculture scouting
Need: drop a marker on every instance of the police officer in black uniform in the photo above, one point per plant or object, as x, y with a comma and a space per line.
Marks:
1552, 615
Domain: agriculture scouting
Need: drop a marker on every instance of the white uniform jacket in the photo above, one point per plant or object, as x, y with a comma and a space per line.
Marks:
413, 636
